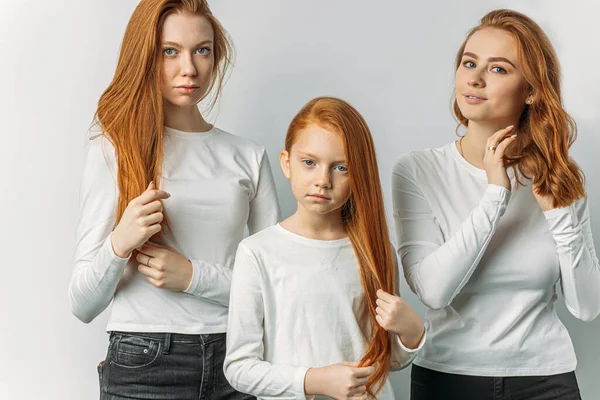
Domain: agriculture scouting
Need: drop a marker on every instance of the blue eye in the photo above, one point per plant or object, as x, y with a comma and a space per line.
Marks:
469, 64
499, 70
341, 168
169, 52
203, 51
308, 163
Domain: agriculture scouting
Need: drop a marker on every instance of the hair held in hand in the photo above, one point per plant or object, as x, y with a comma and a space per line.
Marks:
545, 130
131, 110
363, 216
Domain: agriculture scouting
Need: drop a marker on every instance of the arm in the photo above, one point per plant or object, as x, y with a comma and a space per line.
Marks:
437, 269
244, 364
212, 281
98, 269
264, 207
579, 268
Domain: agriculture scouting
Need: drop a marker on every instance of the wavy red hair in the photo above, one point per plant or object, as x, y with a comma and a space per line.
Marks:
545, 130
363, 216
131, 110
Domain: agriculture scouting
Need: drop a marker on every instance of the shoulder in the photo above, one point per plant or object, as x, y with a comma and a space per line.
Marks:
411, 163
240, 144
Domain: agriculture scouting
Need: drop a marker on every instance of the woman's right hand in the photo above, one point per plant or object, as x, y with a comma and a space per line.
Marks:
342, 381
139, 222
493, 160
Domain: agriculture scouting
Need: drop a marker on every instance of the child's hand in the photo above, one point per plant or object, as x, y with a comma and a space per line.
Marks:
397, 316
342, 381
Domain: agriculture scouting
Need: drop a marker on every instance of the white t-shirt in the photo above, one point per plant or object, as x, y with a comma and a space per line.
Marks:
295, 304
219, 183
486, 262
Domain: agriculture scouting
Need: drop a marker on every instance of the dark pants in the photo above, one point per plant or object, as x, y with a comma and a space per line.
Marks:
426, 384
165, 366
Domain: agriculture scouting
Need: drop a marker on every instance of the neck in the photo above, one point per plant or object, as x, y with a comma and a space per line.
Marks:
473, 144
186, 119
316, 226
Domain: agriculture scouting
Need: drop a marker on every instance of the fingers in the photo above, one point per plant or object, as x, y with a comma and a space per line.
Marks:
152, 194
497, 137
358, 390
151, 273
152, 219
152, 207
385, 296
504, 145
364, 372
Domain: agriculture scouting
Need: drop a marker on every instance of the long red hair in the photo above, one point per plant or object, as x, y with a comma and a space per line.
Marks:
363, 215
130, 111
545, 130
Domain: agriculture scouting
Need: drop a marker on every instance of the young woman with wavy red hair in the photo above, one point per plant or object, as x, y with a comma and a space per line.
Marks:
165, 198
488, 225
314, 307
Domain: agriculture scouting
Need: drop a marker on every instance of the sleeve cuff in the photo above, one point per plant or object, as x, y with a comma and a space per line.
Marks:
557, 212
498, 193
299, 383
195, 281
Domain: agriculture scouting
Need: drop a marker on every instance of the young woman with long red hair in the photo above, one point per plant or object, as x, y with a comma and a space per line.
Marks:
314, 309
165, 199
488, 225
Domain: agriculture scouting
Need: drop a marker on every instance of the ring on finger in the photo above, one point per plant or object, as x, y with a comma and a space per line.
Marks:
148, 261
492, 148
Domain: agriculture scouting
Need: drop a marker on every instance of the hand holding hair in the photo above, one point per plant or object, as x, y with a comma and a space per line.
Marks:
396, 316
139, 222
342, 381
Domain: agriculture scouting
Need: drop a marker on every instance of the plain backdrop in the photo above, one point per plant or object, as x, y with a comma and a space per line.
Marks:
392, 60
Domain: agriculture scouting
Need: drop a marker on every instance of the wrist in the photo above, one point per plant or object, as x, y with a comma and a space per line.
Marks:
313, 382
412, 339
118, 249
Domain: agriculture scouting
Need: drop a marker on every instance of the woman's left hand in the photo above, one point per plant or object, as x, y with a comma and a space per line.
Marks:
397, 316
164, 267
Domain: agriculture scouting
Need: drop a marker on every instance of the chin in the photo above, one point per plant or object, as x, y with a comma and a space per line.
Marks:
183, 102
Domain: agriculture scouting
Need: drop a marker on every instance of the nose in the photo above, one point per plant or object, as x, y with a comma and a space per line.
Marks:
188, 68
476, 80
324, 180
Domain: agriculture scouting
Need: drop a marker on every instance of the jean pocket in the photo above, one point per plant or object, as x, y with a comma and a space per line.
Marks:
135, 351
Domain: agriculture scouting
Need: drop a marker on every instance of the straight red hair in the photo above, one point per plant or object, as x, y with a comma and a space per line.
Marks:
363, 216
130, 112
545, 130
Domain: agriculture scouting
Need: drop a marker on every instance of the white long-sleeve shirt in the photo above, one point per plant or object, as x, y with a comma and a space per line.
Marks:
296, 304
219, 184
486, 262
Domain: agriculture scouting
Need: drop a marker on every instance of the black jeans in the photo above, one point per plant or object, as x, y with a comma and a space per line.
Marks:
165, 366
426, 384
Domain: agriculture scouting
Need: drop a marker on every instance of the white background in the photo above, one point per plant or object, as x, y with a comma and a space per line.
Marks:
392, 60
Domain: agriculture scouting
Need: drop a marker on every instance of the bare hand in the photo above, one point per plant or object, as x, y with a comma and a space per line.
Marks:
493, 160
164, 267
342, 381
397, 316
139, 222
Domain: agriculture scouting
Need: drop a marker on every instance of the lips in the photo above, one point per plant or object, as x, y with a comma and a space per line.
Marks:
472, 98
319, 196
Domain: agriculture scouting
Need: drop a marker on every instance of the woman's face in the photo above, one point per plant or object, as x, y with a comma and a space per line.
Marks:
187, 58
490, 86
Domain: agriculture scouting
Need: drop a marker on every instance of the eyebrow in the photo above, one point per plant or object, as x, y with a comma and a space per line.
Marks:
491, 59
303, 153
175, 44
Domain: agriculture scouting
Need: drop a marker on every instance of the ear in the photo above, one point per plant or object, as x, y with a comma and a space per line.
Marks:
284, 161
530, 98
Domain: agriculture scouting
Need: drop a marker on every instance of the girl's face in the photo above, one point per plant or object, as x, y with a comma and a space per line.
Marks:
317, 170
187, 58
490, 86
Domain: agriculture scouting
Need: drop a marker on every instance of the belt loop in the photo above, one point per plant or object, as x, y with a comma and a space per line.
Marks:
167, 343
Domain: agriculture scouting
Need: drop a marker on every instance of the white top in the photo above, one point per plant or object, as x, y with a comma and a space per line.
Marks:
295, 303
487, 267
219, 183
